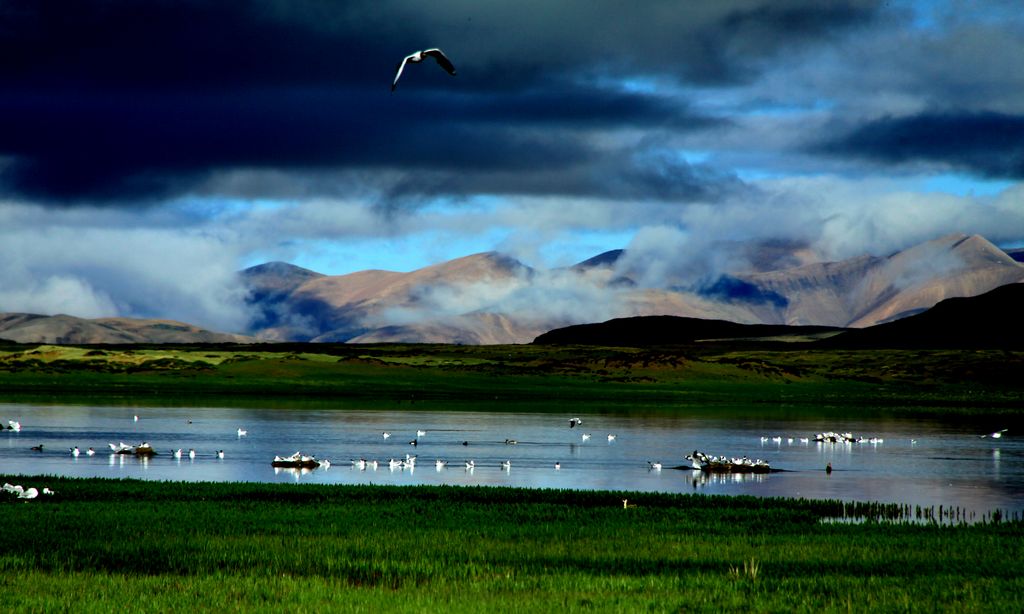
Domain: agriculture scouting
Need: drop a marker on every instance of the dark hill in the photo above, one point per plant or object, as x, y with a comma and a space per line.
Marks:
608, 258
990, 320
644, 331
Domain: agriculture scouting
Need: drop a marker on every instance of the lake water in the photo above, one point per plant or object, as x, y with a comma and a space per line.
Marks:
918, 462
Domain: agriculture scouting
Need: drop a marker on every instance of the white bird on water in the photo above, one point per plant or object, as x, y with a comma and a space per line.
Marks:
220, 454
419, 56
385, 434
995, 435
586, 436
75, 451
14, 425
90, 451
611, 437
242, 432
654, 466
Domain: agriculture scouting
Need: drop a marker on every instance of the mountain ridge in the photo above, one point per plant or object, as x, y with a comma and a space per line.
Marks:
492, 298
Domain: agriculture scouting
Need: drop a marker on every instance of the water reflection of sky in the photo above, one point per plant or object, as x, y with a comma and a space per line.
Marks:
926, 463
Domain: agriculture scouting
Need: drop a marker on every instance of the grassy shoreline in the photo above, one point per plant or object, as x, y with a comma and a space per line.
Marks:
164, 546
909, 381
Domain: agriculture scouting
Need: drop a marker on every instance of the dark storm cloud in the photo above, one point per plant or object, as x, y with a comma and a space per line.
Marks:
125, 101
986, 144
640, 173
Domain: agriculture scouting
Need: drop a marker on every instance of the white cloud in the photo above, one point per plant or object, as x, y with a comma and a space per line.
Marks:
56, 294
60, 261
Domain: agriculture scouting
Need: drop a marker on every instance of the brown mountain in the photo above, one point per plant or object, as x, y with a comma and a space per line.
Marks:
379, 305
869, 290
32, 328
270, 285
491, 298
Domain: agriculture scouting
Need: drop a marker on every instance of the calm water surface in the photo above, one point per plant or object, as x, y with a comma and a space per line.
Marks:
927, 463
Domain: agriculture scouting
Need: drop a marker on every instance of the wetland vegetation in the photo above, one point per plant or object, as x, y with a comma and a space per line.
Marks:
790, 375
110, 544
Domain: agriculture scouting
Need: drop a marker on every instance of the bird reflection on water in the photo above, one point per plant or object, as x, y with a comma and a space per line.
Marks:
705, 478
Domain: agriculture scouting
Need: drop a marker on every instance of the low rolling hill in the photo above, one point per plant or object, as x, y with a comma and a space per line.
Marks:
990, 320
65, 329
644, 331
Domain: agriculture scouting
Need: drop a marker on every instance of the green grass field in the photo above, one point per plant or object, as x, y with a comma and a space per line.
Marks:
918, 381
111, 545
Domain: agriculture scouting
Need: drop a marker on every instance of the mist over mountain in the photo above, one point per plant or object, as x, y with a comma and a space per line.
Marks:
493, 298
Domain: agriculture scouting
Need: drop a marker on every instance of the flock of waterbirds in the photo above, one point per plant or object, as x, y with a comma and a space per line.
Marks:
142, 450
20, 492
827, 437
304, 463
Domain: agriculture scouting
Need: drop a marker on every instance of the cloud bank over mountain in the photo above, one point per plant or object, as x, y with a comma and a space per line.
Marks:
150, 150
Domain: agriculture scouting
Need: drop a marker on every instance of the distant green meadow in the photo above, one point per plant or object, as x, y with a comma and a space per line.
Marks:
111, 545
542, 378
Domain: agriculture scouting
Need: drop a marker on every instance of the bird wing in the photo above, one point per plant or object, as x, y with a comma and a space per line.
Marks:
442, 59
398, 71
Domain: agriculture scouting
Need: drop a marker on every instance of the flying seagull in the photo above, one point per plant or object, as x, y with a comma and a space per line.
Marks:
418, 57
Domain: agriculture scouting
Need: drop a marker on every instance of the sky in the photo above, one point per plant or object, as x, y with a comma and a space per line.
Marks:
150, 150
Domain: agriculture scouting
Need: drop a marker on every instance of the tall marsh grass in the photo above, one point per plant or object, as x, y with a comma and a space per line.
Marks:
114, 544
